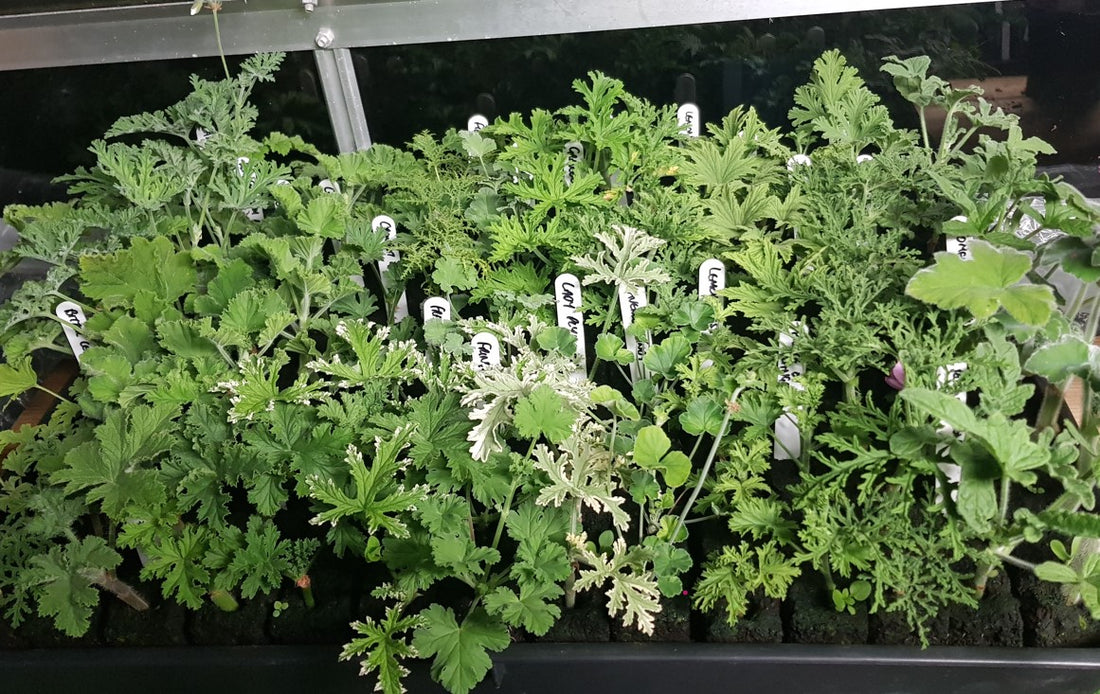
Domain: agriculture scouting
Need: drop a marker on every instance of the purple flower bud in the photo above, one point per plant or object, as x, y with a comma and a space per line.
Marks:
896, 379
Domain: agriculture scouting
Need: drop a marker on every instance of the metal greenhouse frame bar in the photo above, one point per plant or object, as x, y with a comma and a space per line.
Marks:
102, 32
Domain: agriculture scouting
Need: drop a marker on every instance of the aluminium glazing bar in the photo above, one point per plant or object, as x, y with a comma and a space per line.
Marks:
167, 30
345, 107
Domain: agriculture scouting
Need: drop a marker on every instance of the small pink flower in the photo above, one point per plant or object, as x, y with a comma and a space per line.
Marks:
896, 379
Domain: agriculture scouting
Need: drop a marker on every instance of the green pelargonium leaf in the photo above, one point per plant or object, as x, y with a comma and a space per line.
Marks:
325, 216
544, 413
663, 357
454, 276
702, 415
461, 660
986, 282
614, 401
1057, 360
611, 348
17, 377
652, 451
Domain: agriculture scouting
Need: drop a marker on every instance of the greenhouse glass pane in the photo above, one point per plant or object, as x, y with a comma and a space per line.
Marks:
53, 114
1039, 60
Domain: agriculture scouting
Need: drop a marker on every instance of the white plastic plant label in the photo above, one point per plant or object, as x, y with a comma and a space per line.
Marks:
437, 308
201, 136
797, 161
386, 224
72, 317
712, 277
574, 154
864, 158
476, 122
629, 303
788, 440
959, 245
486, 351
567, 296
328, 186
688, 118
948, 375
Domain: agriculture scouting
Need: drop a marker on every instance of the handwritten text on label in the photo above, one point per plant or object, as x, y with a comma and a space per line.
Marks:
73, 318
486, 351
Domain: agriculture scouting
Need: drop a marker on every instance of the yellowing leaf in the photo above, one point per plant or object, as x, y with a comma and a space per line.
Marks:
983, 284
17, 377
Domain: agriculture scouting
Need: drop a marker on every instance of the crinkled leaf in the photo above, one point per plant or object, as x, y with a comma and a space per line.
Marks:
150, 265
529, 609
453, 275
324, 216
385, 644
62, 581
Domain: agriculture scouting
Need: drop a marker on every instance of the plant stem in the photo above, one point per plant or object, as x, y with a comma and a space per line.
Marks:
570, 591
508, 501
706, 466
1020, 563
1065, 502
924, 129
218, 36
606, 326
304, 311
1094, 319
59, 396
695, 448
1078, 302
225, 355
1006, 493
121, 590
850, 381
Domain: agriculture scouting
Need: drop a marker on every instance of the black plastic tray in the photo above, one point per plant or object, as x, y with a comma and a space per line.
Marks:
557, 668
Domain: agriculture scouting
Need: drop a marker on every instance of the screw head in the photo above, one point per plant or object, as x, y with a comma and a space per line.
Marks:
325, 37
